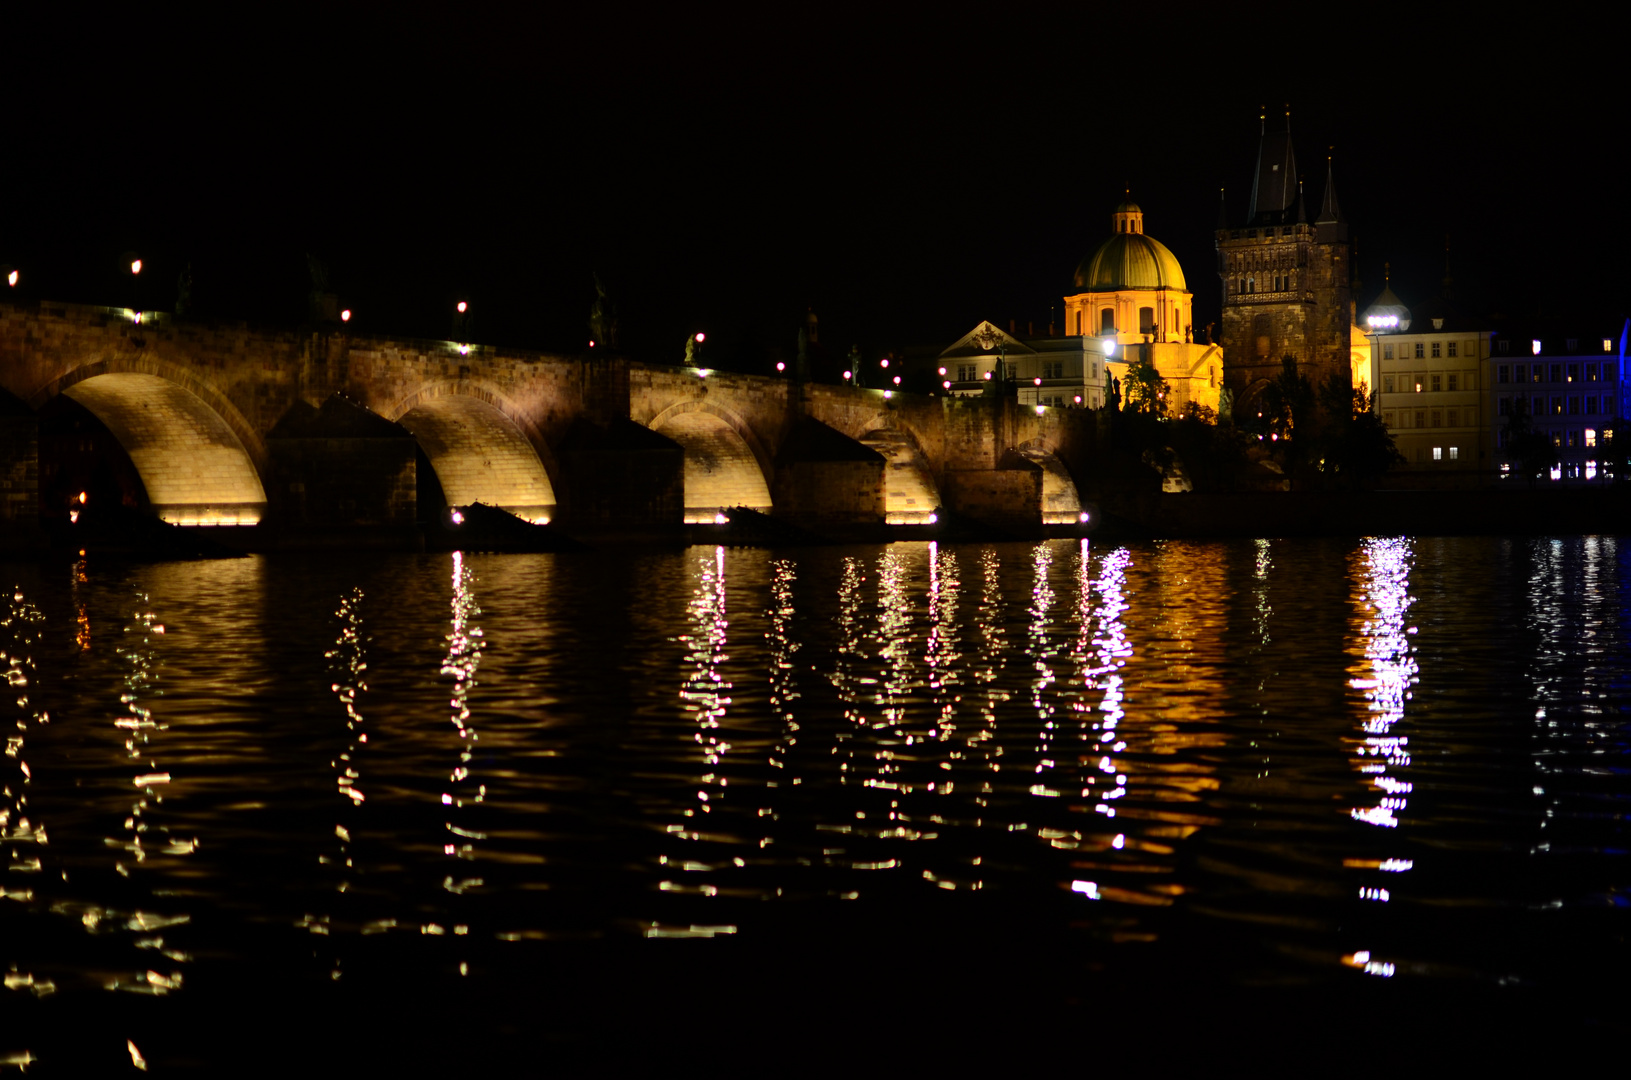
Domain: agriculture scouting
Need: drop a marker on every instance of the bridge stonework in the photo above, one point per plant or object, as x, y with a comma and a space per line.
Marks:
195, 405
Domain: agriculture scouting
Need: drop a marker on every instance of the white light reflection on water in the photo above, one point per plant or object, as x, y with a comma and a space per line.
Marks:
705, 696
1384, 671
1043, 650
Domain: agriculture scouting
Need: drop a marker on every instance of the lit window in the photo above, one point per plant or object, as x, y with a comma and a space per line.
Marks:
1608, 346
1534, 346
1455, 453
1574, 373
1438, 453
1591, 372
1573, 439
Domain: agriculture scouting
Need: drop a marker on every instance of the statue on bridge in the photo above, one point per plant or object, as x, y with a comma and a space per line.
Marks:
603, 320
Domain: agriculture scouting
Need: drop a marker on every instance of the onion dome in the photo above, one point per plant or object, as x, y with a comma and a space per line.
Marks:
1388, 315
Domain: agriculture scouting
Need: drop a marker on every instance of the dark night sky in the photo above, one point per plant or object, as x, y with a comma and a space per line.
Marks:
906, 172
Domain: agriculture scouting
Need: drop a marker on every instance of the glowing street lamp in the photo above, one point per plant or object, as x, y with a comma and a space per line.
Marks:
780, 366
345, 316
463, 307
136, 266
11, 279
897, 380
848, 375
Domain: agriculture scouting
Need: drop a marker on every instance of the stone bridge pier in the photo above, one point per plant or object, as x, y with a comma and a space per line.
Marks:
307, 431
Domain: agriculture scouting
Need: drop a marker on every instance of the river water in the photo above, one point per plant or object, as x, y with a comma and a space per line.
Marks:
516, 808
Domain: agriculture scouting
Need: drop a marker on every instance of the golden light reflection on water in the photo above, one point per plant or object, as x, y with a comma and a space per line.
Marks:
464, 650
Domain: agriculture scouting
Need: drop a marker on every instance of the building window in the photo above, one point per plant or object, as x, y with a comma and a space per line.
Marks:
1438, 382
1053, 369
1557, 372
1591, 438
1536, 371
1503, 347
1078, 324
1387, 384
1421, 419
1557, 406
1146, 320
1438, 453
1591, 372
1500, 443
1436, 348
1504, 407
1418, 351
1388, 419
1419, 384
1591, 406
1608, 346
1501, 374
1107, 320
1574, 439
1451, 416
1451, 347
1451, 383
1574, 344
1438, 419
1387, 352
1557, 440
967, 372
1574, 372
1574, 406
1455, 453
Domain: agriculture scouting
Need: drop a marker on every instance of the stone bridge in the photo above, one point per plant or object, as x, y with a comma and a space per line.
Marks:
227, 424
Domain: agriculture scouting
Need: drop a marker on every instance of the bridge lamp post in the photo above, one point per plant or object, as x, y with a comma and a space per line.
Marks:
345, 316
847, 376
780, 366
11, 279
136, 288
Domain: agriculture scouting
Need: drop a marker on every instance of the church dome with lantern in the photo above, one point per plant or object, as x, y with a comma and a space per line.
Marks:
1129, 259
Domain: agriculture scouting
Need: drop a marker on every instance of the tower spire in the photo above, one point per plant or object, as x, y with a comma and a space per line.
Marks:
1330, 211
1302, 209
1274, 189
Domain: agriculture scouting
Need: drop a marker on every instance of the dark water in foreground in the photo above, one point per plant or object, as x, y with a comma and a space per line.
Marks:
534, 810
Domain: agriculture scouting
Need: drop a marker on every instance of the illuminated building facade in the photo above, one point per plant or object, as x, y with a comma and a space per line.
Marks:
1131, 290
1429, 366
1571, 389
1286, 281
1056, 372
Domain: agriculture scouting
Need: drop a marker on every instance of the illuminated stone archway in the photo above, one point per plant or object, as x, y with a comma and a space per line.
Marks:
1061, 504
193, 465
724, 465
479, 454
911, 495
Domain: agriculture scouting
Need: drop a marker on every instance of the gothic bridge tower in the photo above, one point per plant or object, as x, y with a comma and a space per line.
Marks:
1286, 280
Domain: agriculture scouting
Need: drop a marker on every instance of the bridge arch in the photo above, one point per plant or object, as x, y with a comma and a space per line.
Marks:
725, 463
911, 495
199, 461
482, 448
1061, 503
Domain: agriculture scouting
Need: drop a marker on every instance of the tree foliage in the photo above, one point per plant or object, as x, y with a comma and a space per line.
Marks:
1146, 390
1535, 454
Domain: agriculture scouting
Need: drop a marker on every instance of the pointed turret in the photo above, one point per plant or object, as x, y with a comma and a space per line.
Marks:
1302, 207
1330, 212
1274, 188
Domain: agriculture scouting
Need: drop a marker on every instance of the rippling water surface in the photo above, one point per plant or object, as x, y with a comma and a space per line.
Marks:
501, 806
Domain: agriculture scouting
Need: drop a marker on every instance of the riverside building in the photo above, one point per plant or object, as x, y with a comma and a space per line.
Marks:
1571, 388
1051, 372
1429, 365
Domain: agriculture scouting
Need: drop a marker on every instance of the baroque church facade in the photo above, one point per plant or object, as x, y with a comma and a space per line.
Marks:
1287, 282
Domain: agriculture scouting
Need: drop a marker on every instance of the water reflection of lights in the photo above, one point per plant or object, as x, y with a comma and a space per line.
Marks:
706, 693
1384, 671
347, 666
1042, 650
1385, 676
464, 647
